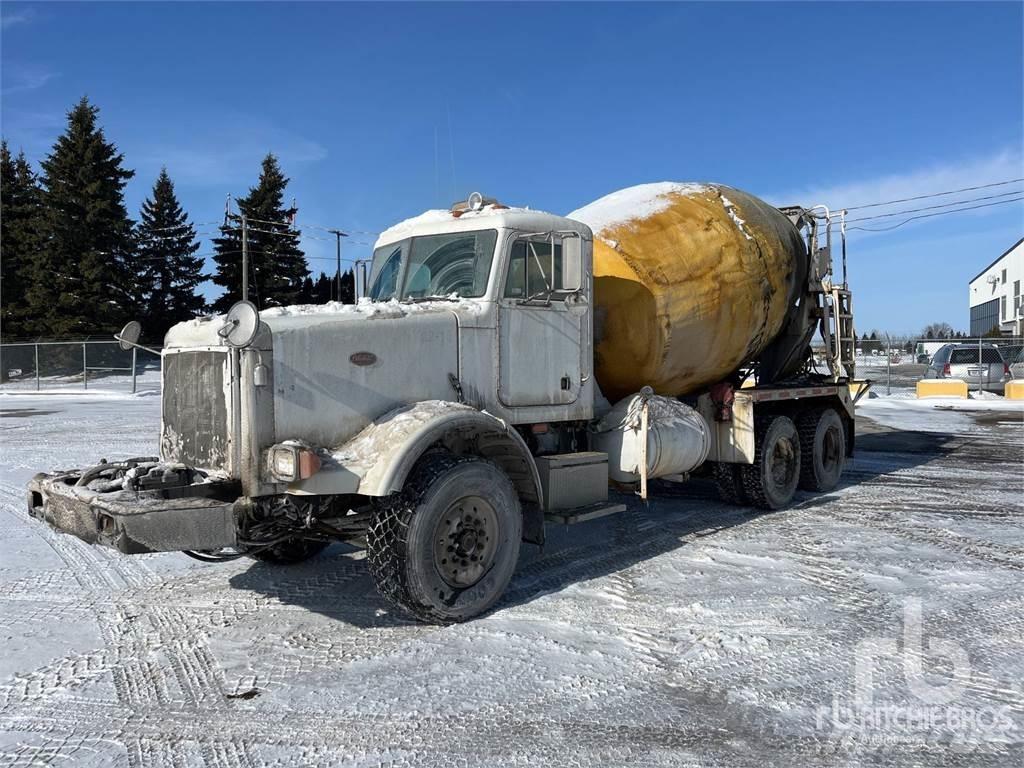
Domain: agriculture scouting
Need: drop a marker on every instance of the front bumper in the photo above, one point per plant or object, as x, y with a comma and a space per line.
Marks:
190, 517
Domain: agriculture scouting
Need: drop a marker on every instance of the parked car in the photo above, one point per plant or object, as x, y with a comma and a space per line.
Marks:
981, 367
1017, 366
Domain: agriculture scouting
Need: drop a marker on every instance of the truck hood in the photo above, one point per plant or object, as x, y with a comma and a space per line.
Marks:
337, 367
202, 331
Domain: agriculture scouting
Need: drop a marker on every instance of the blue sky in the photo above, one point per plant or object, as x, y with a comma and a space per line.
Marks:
381, 111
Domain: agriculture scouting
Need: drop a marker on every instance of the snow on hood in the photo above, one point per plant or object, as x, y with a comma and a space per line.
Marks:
633, 203
367, 308
202, 331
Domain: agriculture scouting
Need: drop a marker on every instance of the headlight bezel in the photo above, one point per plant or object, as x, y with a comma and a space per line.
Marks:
292, 461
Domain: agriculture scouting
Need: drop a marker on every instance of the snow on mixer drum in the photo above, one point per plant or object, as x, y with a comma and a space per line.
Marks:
690, 282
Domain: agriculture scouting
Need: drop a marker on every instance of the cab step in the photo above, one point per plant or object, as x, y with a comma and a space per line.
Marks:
583, 514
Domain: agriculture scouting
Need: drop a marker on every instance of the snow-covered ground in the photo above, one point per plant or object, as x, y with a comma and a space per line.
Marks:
880, 624
147, 381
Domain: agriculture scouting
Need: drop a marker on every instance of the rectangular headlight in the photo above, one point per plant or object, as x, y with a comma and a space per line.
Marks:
283, 463
292, 460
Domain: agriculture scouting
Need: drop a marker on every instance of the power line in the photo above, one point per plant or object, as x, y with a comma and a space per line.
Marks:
933, 194
938, 213
189, 224
933, 207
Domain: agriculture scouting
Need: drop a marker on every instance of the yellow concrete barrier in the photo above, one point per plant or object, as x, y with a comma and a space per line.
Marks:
942, 388
856, 387
1015, 389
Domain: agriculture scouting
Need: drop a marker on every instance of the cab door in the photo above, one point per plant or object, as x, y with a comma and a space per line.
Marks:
543, 321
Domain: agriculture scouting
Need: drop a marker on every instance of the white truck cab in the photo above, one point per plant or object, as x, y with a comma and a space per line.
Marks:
519, 276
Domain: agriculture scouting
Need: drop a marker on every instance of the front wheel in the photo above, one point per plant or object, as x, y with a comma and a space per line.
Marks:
446, 547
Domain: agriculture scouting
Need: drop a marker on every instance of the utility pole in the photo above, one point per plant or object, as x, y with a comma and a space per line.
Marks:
228, 216
338, 234
245, 258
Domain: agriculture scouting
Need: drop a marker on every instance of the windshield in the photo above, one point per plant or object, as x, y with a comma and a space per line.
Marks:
433, 266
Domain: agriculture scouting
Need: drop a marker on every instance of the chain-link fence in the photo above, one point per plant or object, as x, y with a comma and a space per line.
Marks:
900, 362
54, 366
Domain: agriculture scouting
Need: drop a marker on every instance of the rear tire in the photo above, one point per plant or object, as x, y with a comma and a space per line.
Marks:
290, 552
446, 547
729, 483
822, 450
770, 482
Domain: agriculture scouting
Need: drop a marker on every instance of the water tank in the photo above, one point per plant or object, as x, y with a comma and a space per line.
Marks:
678, 438
690, 282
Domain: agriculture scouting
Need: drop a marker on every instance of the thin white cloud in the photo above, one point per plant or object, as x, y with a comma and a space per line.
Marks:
13, 18
227, 153
940, 177
18, 79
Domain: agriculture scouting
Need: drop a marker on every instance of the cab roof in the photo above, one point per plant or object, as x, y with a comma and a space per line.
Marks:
435, 222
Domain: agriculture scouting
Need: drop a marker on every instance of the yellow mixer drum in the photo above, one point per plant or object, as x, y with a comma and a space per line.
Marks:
690, 282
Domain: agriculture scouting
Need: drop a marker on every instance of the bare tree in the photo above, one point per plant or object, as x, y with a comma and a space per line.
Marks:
938, 331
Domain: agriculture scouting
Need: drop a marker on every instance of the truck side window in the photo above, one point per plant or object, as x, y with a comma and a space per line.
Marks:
532, 270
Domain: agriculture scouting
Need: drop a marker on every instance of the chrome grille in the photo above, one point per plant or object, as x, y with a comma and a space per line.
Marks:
195, 413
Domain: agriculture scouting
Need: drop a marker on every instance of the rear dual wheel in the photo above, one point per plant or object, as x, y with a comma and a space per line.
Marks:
810, 454
823, 448
771, 481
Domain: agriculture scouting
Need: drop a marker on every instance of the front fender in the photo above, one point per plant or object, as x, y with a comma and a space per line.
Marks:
377, 461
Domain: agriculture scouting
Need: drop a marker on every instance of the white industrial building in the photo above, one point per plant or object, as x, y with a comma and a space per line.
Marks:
995, 295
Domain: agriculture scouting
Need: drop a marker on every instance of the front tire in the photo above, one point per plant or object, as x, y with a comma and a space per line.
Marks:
446, 547
770, 482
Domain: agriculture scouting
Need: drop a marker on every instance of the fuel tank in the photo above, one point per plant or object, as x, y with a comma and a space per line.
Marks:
691, 281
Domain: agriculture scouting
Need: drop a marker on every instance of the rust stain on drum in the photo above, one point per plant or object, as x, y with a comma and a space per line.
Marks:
686, 294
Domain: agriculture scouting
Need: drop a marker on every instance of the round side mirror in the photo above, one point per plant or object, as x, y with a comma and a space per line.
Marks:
242, 324
129, 335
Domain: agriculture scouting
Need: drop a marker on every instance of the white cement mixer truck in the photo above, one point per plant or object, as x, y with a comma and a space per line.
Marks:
502, 368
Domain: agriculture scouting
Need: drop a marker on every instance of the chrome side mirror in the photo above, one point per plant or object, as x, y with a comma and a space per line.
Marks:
129, 335
242, 323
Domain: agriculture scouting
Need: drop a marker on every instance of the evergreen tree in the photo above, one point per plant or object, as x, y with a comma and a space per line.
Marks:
277, 266
348, 287
321, 293
308, 293
82, 282
169, 270
20, 208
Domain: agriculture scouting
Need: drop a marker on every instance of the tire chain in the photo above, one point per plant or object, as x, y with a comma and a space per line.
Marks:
386, 542
806, 430
750, 474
